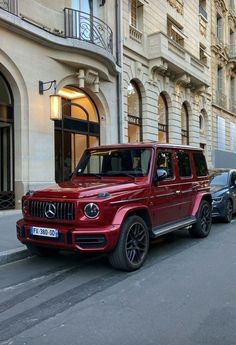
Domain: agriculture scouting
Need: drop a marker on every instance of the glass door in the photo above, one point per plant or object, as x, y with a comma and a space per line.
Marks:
6, 166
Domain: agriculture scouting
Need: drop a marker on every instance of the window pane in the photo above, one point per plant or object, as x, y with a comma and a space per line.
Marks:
164, 161
200, 164
184, 164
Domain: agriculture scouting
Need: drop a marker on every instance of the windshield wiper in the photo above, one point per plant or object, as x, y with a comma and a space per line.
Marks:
119, 173
89, 174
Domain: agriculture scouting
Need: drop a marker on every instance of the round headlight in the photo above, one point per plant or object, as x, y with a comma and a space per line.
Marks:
91, 210
25, 206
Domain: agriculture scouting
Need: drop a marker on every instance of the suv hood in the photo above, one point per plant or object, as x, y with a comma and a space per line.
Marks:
76, 189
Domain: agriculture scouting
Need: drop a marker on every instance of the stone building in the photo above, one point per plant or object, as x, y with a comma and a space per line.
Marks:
79, 73
167, 72
223, 62
68, 49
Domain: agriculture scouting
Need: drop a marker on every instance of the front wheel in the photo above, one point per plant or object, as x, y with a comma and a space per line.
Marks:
228, 212
202, 226
132, 247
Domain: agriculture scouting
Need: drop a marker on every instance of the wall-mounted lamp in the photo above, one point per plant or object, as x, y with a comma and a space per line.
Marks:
55, 100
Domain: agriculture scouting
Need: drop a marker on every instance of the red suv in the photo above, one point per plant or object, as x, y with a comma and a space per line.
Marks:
118, 199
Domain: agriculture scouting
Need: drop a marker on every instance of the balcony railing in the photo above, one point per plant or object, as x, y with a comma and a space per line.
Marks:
85, 27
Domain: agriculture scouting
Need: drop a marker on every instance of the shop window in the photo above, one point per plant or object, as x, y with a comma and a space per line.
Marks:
134, 113
184, 125
163, 120
78, 130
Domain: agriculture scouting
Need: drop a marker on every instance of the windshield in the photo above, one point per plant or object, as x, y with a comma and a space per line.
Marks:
219, 178
115, 162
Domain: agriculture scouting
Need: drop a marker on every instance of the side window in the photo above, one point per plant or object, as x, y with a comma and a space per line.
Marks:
164, 161
184, 164
200, 164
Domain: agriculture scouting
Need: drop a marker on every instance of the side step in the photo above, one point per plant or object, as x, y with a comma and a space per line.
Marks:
164, 229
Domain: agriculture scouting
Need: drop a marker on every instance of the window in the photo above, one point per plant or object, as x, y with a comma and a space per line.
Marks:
219, 29
78, 130
163, 120
200, 164
184, 125
175, 32
221, 133
202, 54
164, 161
184, 164
202, 8
134, 113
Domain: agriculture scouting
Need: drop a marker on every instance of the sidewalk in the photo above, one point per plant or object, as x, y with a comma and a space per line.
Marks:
10, 248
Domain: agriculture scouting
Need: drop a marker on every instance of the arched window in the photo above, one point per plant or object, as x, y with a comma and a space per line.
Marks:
184, 125
78, 130
163, 136
202, 123
134, 113
7, 198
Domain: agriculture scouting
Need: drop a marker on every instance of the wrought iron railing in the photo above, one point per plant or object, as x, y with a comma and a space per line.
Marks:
85, 27
9, 5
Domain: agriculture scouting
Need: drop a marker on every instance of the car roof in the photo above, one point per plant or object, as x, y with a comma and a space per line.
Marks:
147, 145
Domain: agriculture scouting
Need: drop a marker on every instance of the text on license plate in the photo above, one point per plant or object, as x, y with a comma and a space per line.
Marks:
46, 232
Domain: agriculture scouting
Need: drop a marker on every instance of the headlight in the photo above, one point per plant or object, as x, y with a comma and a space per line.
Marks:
91, 210
25, 206
217, 200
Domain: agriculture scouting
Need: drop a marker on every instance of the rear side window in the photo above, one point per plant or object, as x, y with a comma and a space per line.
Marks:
164, 161
184, 164
200, 164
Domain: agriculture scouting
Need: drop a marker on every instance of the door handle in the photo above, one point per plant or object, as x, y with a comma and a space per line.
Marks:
177, 192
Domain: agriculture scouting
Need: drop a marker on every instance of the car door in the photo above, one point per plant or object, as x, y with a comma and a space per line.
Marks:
164, 204
232, 183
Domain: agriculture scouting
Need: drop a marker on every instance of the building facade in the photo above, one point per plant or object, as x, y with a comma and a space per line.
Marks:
167, 72
117, 71
67, 48
223, 81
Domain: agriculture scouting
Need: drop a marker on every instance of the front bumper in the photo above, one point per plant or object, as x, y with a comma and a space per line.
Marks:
71, 238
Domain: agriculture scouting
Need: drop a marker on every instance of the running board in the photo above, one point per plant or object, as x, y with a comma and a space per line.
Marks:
161, 230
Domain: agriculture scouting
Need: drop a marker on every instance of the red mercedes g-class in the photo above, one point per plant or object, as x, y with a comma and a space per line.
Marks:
118, 199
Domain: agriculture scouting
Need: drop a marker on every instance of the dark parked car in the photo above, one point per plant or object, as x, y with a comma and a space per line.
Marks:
223, 189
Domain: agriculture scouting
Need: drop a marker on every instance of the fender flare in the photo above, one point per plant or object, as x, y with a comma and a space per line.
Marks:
198, 200
124, 211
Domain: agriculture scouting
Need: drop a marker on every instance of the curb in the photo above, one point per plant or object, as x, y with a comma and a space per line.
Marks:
13, 255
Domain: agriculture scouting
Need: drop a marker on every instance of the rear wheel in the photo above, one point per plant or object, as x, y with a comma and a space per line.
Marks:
202, 226
228, 212
41, 251
132, 247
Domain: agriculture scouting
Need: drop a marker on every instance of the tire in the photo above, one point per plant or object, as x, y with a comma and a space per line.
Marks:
202, 226
41, 251
132, 247
228, 212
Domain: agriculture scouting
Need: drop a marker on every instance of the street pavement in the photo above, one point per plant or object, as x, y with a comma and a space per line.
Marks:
10, 248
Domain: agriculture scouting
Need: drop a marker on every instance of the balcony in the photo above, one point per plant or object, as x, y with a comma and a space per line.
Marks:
84, 27
173, 60
66, 27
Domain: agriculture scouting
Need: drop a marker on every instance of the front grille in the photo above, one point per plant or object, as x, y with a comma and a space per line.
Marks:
60, 210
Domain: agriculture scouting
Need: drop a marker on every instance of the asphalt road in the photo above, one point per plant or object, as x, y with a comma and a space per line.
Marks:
185, 294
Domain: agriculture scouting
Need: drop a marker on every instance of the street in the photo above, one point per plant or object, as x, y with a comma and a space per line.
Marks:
185, 294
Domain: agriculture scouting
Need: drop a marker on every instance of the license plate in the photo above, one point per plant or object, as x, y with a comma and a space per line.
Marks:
45, 232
